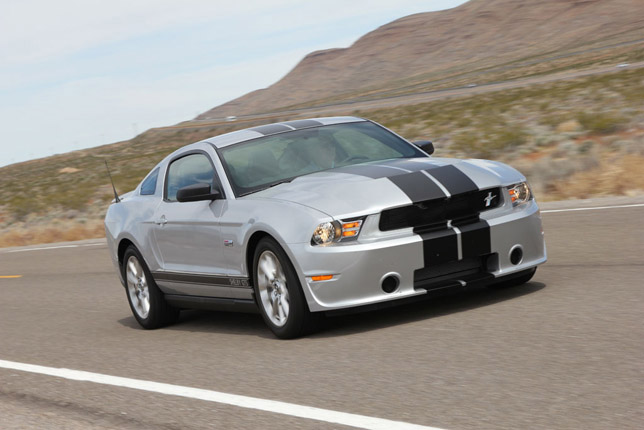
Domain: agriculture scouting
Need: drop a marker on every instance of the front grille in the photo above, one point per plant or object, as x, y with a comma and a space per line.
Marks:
432, 215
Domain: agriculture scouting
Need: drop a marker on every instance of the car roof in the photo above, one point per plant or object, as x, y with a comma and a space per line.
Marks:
238, 136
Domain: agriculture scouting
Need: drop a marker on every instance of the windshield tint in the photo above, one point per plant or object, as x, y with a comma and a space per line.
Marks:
257, 164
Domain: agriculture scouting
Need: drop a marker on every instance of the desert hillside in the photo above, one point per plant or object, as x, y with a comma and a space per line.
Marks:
475, 36
552, 87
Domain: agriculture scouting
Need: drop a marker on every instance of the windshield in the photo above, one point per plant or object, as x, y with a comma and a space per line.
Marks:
260, 163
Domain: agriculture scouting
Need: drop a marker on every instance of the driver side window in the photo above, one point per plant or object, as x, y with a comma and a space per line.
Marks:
189, 170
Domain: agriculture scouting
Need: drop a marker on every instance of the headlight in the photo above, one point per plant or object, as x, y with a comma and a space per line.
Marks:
519, 193
336, 231
325, 233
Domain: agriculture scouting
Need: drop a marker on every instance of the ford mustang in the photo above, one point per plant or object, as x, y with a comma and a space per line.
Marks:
306, 217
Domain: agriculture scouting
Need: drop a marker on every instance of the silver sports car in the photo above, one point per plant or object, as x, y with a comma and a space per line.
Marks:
317, 216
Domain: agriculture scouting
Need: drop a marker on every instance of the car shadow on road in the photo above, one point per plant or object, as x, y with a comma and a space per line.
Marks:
432, 307
245, 324
230, 323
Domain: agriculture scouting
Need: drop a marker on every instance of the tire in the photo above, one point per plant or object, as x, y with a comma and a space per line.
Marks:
521, 279
144, 296
278, 292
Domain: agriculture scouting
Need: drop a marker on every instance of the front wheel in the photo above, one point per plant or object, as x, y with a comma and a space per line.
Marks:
278, 291
146, 299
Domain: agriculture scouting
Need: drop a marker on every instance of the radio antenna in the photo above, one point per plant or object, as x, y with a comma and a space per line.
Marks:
116, 196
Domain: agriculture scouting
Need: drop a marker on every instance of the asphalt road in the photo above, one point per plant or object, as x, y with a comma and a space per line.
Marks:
564, 351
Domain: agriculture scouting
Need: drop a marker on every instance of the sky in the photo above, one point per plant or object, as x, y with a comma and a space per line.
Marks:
76, 74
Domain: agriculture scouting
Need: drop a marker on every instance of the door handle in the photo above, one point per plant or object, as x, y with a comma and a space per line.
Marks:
161, 221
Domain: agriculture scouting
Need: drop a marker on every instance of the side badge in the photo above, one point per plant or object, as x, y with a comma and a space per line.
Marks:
228, 242
239, 282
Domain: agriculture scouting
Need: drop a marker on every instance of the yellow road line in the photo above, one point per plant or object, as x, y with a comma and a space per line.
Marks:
10, 276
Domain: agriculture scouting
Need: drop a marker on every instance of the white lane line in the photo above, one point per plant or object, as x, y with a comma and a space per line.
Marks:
308, 412
594, 208
53, 247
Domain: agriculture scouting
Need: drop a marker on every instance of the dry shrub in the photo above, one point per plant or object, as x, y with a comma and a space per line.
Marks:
568, 126
545, 172
623, 176
601, 123
66, 232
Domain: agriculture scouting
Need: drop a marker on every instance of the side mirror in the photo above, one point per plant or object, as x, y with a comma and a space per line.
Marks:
425, 145
196, 192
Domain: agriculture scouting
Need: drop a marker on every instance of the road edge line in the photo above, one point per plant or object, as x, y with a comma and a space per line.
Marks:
592, 208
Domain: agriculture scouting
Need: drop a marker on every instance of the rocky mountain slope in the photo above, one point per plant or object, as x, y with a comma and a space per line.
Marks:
477, 35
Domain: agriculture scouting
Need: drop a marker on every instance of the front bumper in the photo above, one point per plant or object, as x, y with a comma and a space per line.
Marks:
359, 269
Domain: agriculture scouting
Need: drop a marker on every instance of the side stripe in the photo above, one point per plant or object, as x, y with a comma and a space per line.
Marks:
201, 279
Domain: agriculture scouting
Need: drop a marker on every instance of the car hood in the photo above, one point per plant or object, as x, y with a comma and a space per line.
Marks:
371, 187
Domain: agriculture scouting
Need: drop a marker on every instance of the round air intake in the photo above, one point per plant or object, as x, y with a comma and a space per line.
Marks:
390, 284
516, 255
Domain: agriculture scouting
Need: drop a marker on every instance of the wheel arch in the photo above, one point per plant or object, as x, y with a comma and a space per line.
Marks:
124, 244
253, 240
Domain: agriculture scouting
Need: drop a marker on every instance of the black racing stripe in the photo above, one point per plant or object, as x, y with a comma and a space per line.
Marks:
453, 179
225, 281
371, 171
439, 247
270, 129
475, 239
417, 186
303, 123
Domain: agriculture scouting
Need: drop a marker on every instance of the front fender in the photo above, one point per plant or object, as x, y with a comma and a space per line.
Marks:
286, 222
130, 220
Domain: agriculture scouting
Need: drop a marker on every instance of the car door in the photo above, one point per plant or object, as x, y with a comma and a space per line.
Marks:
188, 234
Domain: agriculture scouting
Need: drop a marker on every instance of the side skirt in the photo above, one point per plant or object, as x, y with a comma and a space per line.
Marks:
212, 303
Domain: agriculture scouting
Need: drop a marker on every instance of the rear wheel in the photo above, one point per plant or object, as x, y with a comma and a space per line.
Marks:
278, 291
144, 296
521, 279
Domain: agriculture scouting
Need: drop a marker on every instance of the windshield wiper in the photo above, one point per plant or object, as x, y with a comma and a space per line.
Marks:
283, 181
